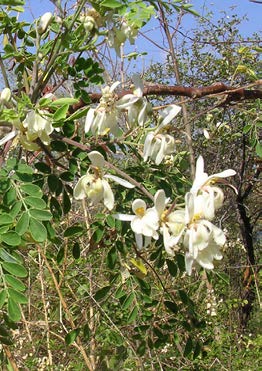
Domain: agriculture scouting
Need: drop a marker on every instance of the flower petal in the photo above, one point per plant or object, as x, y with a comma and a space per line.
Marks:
108, 195
138, 204
124, 217
120, 181
97, 159
169, 113
160, 201
89, 119
8, 137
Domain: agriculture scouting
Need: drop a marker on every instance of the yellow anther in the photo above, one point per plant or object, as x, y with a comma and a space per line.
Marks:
140, 211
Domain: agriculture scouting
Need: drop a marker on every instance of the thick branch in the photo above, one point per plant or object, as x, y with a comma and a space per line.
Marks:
233, 94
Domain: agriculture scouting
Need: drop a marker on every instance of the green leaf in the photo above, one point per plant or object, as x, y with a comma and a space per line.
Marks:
43, 167
110, 221
10, 197
5, 219
180, 262
171, 306
4, 229
128, 301
66, 203
188, 347
14, 282
100, 294
35, 202
4, 255
15, 269
197, 350
111, 258
11, 238
58, 146
98, 234
247, 128
17, 296
37, 230
22, 224
132, 316
183, 296
78, 114
112, 4
13, 310
3, 331
6, 340
86, 332
76, 251
71, 336
60, 255
3, 296
259, 149
63, 101
61, 112
172, 267
53, 182
12, 2
73, 231
32, 190
138, 263
40, 214
16, 209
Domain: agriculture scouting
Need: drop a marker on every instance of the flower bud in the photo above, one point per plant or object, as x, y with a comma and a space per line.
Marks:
44, 22
89, 23
5, 95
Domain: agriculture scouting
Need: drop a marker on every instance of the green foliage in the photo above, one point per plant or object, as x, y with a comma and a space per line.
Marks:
70, 270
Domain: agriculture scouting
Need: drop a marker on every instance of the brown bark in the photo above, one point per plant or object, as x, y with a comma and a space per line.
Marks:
232, 94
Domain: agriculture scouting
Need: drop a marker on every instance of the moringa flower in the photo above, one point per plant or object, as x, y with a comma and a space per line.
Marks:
44, 22
202, 238
103, 119
138, 108
95, 186
158, 146
35, 125
210, 196
145, 222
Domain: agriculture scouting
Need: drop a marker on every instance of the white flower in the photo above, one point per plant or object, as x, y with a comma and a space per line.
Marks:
118, 36
138, 108
103, 119
5, 95
202, 238
144, 222
95, 186
203, 185
172, 224
167, 115
44, 22
36, 125
157, 146
8, 137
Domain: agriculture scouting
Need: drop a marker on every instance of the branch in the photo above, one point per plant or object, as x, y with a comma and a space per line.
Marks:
233, 94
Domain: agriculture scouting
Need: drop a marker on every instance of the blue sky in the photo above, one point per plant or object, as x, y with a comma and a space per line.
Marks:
35, 8
240, 7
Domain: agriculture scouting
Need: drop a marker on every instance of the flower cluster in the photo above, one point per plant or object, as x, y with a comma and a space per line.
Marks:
104, 118
158, 144
95, 186
35, 125
190, 226
118, 35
